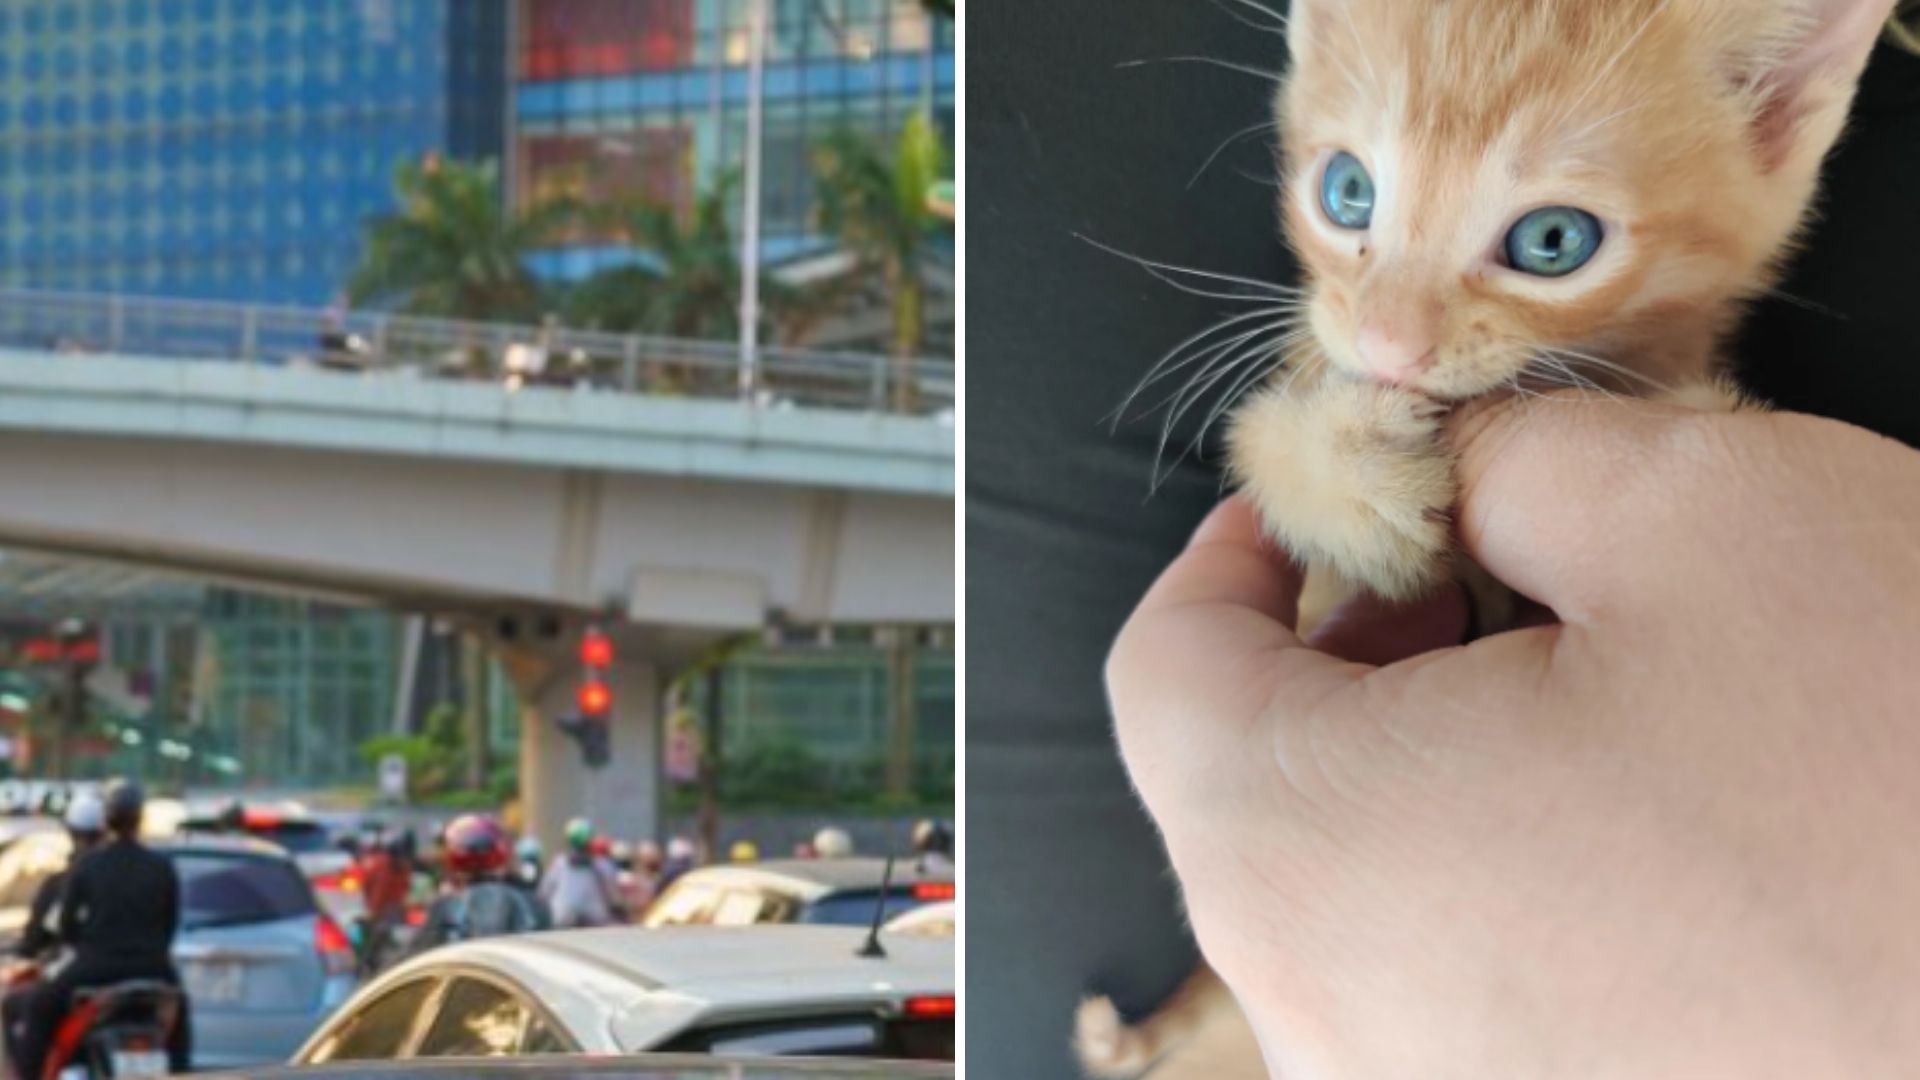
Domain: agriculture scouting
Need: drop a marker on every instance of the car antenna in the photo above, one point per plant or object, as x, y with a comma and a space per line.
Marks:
873, 948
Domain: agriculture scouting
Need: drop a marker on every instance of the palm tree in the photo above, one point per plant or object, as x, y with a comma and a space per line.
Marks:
687, 282
879, 211
452, 251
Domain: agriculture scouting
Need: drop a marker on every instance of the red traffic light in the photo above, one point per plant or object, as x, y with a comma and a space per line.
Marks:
594, 698
596, 649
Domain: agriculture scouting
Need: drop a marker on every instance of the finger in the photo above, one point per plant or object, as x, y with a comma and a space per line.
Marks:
1210, 647
1570, 499
1369, 630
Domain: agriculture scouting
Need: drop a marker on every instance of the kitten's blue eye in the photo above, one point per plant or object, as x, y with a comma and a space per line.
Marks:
1346, 192
1552, 241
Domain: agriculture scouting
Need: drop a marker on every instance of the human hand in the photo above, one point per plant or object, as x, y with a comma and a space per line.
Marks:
1665, 836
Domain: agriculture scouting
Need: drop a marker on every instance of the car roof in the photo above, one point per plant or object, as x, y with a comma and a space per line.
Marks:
812, 879
218, 844
640, 1067
940, 911
653, 984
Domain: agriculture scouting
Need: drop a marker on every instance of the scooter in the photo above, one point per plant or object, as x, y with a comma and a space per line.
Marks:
118, 1031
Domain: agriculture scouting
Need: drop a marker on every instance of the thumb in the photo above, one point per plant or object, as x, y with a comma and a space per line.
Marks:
1571, 498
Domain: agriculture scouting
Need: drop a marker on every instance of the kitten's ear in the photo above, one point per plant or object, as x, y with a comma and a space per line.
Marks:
1806, 80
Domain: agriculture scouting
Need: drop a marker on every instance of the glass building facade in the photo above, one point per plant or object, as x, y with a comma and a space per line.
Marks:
227, 149
621, 98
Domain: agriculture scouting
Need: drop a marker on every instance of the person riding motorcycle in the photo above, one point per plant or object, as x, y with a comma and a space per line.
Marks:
386, 875
580, 887
118, 914
682, 856
481, 900
526, 862
933, 844
833, 842
39, 938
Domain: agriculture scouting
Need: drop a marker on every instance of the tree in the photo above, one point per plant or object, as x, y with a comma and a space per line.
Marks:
686, 282
452, 251
878, 209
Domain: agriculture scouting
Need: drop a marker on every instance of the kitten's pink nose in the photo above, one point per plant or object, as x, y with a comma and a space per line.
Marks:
1394, 354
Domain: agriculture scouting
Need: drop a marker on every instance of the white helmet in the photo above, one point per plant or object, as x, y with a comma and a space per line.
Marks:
832, 843
86, 813
680, 848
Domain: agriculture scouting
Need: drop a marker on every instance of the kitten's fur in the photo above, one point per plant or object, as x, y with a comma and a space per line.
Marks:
1693, 129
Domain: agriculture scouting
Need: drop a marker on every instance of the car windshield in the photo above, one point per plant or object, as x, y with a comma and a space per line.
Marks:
826, 1036
298, 837
856, 908
230, 890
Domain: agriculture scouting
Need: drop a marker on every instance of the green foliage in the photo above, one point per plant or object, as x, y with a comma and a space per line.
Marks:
877, 207
452, 251
436, 761
687, 282
776, 772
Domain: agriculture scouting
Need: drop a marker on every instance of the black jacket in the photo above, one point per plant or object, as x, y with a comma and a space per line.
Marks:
121, 908
38, 935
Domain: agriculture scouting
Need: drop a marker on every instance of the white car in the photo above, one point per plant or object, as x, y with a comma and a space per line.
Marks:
932, 920
759, 990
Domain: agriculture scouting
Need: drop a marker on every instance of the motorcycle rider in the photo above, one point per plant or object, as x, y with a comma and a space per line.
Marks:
481, 899
86, 823
118, 913
526, 862
933, 845
386, 875
580, 887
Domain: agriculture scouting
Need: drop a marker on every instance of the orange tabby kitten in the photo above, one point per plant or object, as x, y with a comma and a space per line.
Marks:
1490, 196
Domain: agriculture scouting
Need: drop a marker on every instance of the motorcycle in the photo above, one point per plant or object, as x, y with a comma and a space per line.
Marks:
119, 1031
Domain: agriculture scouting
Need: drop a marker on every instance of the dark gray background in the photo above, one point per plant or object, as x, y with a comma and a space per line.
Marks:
1067, 886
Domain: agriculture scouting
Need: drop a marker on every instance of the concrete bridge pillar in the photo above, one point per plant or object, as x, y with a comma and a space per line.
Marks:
622, 798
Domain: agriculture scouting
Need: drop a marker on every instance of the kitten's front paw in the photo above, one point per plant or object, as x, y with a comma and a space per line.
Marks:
1352, 475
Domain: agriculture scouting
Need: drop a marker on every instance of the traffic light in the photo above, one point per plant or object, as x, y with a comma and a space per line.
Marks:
596, 649
590, 722
596, 744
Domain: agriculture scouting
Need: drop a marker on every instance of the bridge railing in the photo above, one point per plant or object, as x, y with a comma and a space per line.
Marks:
379, 344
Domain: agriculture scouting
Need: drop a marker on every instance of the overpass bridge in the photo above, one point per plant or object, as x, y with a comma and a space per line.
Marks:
529, 478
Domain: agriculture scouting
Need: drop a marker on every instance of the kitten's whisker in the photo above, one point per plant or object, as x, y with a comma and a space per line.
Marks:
1188, 397
1612, 366
1607, 67
1213, 354
1252, 129
1210, 61
1277, 26
1263, 181
1802, 302
1161, 368
1196, 390
1253, 375
1603, 121
1360, 44
1267, 287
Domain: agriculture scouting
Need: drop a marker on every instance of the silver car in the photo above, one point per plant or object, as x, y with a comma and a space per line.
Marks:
754, 990
261, 964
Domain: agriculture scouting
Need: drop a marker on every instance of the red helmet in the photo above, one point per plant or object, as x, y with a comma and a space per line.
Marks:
476, 844
600, 847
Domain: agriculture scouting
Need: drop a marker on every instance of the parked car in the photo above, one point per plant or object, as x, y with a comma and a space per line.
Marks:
262, 965
842, 892
933, 920
770, 990
646, 1067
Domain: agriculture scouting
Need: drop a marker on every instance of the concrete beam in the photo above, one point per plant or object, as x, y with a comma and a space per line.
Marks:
473, 422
